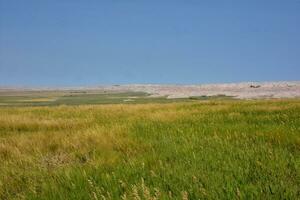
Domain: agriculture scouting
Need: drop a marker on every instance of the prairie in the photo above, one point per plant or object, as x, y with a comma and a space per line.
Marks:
80, 97
212, 149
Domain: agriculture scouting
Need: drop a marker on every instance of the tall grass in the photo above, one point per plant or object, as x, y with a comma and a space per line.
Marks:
201, 150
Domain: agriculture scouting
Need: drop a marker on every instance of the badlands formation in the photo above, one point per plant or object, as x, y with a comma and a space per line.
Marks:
246, 90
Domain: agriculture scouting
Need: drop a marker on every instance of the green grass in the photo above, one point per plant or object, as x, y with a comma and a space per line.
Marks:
54, 98
214, 149
78, 97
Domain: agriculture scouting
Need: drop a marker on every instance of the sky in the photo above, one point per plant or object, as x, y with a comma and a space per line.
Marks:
95, 42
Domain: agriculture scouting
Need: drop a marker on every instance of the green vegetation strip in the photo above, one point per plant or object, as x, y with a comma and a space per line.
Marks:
54, 98
211, 149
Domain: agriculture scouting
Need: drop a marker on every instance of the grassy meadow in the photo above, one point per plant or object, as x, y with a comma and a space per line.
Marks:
210, 149
80, 97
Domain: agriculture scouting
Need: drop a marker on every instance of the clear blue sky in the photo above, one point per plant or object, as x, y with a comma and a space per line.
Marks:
77, 42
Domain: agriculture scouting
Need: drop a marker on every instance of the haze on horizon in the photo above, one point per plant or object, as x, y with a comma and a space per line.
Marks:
68, 43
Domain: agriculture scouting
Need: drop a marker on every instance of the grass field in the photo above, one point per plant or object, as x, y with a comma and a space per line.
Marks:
54, 98
212, 149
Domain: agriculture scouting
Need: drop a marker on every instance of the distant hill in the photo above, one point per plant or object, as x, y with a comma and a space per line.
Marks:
243, 90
